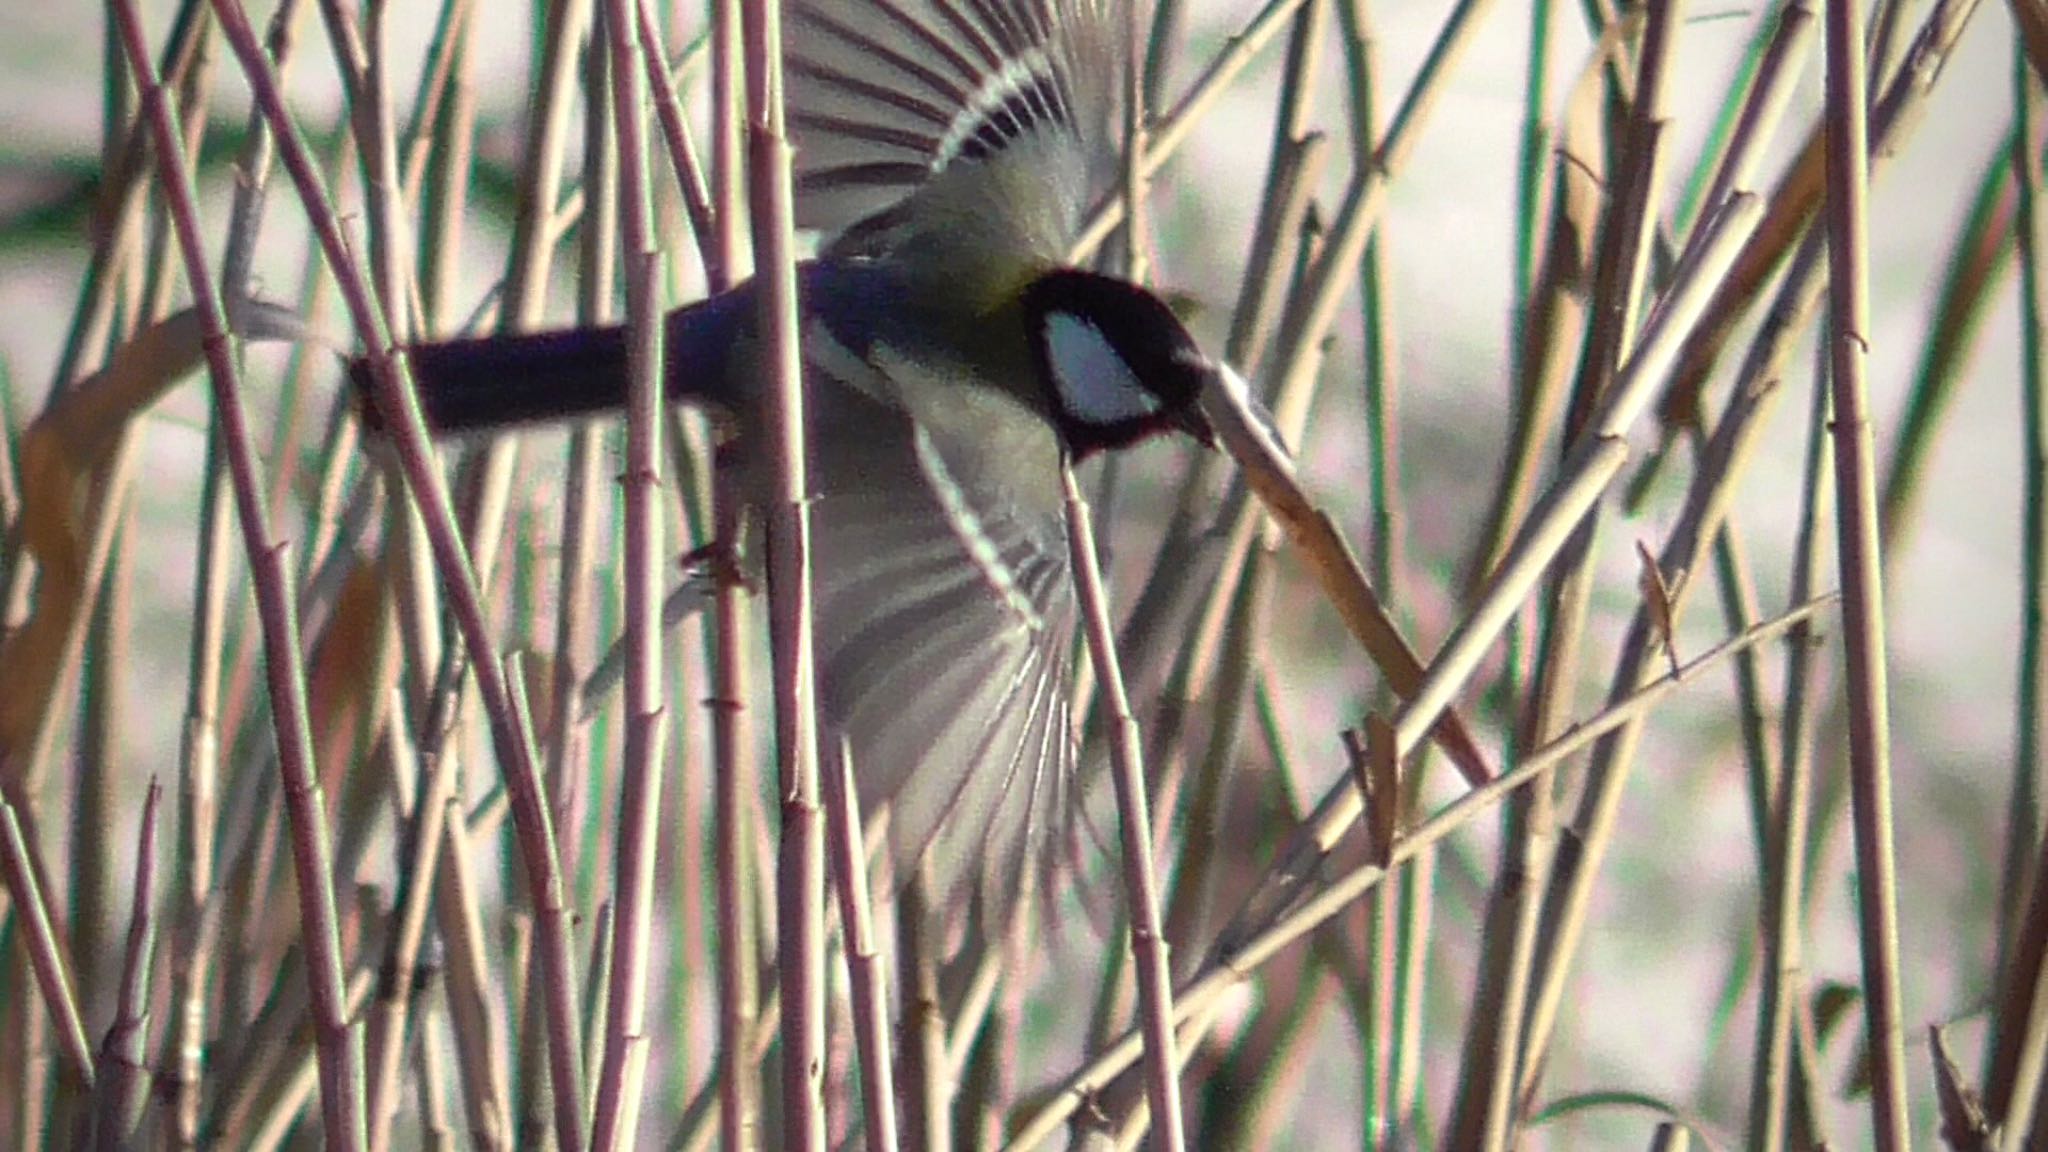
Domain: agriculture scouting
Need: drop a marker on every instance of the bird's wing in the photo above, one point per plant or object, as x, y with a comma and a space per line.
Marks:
957, 99
944, 627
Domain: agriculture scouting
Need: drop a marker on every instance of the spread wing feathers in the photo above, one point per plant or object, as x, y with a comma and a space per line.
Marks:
944, 622
954, 700
885, 95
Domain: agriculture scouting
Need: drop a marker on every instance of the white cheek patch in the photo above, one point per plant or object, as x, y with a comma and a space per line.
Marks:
1093, 383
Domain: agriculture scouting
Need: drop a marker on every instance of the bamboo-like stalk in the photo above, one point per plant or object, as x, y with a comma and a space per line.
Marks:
1706, 501
1199, 645
478, 1023
2018, 1048
1415, 910
733, 760
443, 115
1492, 1093
387, 1041
582, 601
1705, 508
443, 87
675, 131
868, 974
488, 475
395, 395
340, 1056
1390, 955
1848, 230
929, 1075
1586, 474
1892, 118
431, 1075
1137, 182
1296, 163
584, 507
1148, 943
620, 1088
597, 996
800, 950
1782, 985
52, 973
1309, 319
1172, 129
444, 148
1241, 957
95, 788
1550, 325
1971, 283
124, 1071
192, 953
1233, 609
295, 1077
993, 1010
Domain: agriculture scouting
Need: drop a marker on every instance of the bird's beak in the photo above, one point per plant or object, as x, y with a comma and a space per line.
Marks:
1191, 421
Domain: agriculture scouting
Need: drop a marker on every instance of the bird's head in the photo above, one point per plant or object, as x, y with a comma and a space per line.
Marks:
1116, 364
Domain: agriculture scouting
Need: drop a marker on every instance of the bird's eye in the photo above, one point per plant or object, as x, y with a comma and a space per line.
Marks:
1091, 381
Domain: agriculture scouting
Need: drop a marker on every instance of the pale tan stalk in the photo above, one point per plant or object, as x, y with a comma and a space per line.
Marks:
868, 975
733, 759
124, 1054
1863, 622
1141, 893
1238, 960
312, 853
394, 394
621, 1084
800, 880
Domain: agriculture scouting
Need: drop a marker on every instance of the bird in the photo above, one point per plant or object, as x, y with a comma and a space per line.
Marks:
954, 362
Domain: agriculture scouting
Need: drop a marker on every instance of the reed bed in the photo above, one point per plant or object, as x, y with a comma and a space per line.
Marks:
1604, 707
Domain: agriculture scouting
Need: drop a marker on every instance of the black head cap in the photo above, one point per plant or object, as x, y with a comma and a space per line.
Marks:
1115, 361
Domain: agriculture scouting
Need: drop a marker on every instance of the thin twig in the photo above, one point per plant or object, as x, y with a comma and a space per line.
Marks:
1141, 892
1236, 962
734, 771
1585, 476
312, 854
417, 879
395, 395
800, 955
1782, 986
870, 986
53, 975
1848, 228
615, 1123
2019, 1043
124, 1059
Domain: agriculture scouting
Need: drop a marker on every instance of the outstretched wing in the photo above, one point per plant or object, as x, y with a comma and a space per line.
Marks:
887, 97
944, 623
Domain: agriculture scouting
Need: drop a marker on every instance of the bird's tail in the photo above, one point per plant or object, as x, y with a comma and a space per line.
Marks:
496, 382
491, 383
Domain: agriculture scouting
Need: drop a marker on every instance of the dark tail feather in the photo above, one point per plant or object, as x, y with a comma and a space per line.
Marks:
497, 382
502, 381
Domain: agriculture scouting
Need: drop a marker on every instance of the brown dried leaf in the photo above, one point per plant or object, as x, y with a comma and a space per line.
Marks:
63, 453
1661, 599
1964, 1127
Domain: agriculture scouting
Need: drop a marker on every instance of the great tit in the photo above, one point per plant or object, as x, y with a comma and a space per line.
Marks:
954, 363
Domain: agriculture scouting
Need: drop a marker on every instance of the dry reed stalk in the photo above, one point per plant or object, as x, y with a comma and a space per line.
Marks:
1855, 476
